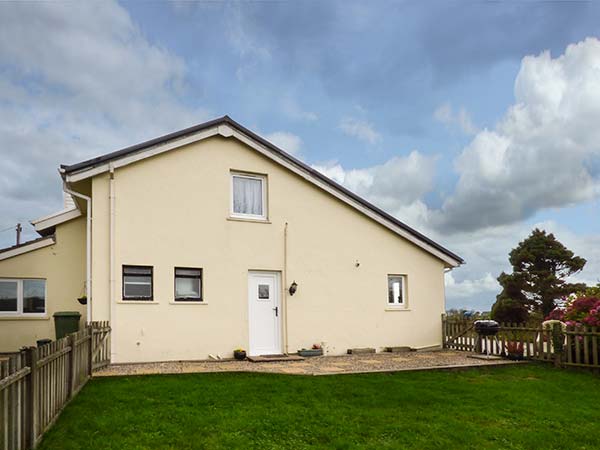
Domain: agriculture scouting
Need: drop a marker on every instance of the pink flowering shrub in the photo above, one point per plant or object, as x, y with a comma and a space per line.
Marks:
582, 311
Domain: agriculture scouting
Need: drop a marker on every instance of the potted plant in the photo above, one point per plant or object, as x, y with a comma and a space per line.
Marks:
239, 354
82, 300
514, 350
316, 350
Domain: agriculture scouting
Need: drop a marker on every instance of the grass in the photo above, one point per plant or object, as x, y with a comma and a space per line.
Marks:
512, 407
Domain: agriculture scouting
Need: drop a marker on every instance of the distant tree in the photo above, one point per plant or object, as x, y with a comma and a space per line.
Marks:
540, 266
507, 310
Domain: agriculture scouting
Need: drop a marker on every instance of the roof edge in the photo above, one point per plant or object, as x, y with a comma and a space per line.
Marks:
226, 120
26, 247
51, 220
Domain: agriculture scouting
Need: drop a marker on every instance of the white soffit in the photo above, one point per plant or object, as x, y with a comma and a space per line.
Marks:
43, 223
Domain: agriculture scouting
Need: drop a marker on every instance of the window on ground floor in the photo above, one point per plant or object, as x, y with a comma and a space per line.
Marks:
188, 284
26, 297
137, 283
397, 291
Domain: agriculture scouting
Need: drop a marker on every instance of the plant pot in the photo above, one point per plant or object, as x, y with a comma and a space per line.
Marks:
240, 355
515, 356
310, 352
82, 300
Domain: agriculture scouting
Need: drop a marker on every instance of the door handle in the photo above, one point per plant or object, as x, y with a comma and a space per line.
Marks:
276, 309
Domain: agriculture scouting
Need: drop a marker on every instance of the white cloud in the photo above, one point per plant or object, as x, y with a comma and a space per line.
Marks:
396, 186
360, 129
446, 115
286, 141
469, 288
486, 253
79, 80
294, 111
542, 153
251, 52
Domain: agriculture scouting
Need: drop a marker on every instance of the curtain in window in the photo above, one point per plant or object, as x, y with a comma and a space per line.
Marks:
247, 196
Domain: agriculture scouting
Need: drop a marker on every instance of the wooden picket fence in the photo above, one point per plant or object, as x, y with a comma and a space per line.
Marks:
37, 383
576, 346
100, 344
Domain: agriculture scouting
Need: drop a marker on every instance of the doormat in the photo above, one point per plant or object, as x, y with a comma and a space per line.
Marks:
275, 358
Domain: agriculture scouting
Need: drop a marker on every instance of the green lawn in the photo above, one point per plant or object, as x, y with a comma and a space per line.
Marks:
525, 407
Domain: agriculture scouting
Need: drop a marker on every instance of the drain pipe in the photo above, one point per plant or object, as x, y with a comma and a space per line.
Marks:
111, 258
285, 289
88, 248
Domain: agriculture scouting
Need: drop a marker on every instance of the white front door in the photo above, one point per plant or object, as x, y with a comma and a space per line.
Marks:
264, 313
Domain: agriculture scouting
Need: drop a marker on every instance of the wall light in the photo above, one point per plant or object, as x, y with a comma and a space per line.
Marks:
293, 288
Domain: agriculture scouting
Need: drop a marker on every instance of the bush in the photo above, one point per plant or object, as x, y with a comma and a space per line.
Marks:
509, 310
579, 311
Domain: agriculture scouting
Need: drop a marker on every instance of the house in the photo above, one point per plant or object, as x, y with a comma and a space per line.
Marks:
210, 239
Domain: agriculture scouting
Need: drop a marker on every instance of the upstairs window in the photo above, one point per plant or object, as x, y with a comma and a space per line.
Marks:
137, 283
188, 285
397, 291
248, 196
26, 297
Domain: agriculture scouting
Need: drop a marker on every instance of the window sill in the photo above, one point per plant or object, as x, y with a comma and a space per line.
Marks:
137, 302
244, 219
397, 308
24, 318
188, 303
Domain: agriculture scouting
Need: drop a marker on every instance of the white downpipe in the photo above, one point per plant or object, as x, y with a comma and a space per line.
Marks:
88, 249
285, 290
111, 258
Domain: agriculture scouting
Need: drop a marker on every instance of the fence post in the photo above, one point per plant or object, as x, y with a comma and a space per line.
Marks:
71, 344
444, 331
558, 343
31, 357
90, 354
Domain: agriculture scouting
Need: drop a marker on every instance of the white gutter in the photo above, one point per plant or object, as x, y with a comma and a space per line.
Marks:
88, 249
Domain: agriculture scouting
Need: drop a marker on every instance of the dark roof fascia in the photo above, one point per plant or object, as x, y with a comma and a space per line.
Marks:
141, 146
67, 169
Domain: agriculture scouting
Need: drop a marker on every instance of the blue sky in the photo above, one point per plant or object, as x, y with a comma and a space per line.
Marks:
472, 121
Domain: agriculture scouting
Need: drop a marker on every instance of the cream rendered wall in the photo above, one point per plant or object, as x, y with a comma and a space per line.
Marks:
63, 267
172, 210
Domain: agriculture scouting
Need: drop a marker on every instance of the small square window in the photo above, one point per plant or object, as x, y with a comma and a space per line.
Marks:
137, 282
188, 285
263, 291
397, 290
248, 196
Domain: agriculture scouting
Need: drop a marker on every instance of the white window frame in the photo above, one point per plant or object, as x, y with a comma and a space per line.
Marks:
396, 304
19, 312
263, 180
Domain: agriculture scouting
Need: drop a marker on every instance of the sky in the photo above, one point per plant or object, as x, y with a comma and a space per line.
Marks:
473, 122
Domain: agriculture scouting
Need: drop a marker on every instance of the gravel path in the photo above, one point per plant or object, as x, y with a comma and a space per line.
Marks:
319, 365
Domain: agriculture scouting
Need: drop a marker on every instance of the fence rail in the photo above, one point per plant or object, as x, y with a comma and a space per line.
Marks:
575, 346
37, 383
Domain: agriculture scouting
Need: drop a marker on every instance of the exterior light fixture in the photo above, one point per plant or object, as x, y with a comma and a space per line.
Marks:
293, 288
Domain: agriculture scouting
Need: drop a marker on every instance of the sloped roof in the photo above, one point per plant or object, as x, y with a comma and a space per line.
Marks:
26, 247
139, 149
